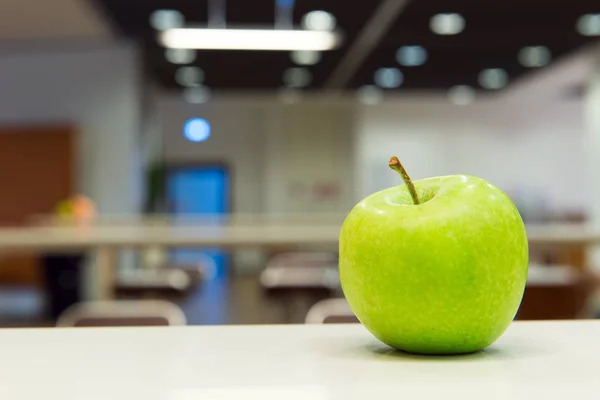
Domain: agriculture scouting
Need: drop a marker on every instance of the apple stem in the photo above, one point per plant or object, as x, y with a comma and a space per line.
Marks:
396, 165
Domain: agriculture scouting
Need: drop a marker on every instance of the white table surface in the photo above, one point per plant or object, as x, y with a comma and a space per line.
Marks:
533, 360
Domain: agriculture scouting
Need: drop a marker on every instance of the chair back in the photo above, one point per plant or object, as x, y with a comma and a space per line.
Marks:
331, 311
122, 313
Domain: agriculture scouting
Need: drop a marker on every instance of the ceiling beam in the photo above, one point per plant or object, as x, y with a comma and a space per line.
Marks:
368, 38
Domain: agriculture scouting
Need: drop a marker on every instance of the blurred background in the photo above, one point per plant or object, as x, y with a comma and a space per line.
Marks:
169, 162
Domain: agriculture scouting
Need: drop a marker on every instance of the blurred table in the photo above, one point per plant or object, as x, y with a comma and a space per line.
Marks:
141, 234
106, 239
72, 238
549, 360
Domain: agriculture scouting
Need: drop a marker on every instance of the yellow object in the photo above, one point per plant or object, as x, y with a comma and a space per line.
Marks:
80, 208
64, 208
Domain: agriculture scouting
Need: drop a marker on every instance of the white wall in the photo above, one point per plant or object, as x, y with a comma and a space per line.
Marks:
238, 136
269, 148
97, 89
528, 151
310, 147
518, 149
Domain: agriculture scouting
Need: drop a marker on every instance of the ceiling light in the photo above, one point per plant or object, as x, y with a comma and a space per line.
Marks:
589, 25
297, 77
447, 24
461, 95
493, 78
161, 20
305, 57
180, 56
369, 95
411, 56
534, 56
319, 21
388, 78
189, 76
196, 130
196, 95
249, 39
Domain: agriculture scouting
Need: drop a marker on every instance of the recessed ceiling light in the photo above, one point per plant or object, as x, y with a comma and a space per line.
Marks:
196, 95
447, 24
411, 56
493, 78
196, 130
180, 56
461, 95
249, 39
297, 77
589, 25
161, 20
369, 95
305, 57
388, 78
319, 20
534, 56
189, 76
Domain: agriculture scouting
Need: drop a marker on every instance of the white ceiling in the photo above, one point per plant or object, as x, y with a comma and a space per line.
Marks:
50, 19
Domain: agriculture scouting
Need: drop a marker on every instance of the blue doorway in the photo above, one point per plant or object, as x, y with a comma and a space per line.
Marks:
199, 190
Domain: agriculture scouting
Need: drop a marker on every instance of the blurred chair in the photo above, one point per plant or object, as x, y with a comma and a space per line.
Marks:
300, 280
202, 267
292, 258
122, 313
301, 270
331, 311
141, 282
158, 275
157, 257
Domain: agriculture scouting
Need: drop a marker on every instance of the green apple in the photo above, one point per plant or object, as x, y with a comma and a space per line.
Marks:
435, 267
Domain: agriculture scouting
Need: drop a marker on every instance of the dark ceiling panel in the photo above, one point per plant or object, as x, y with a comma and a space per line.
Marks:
495, 32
